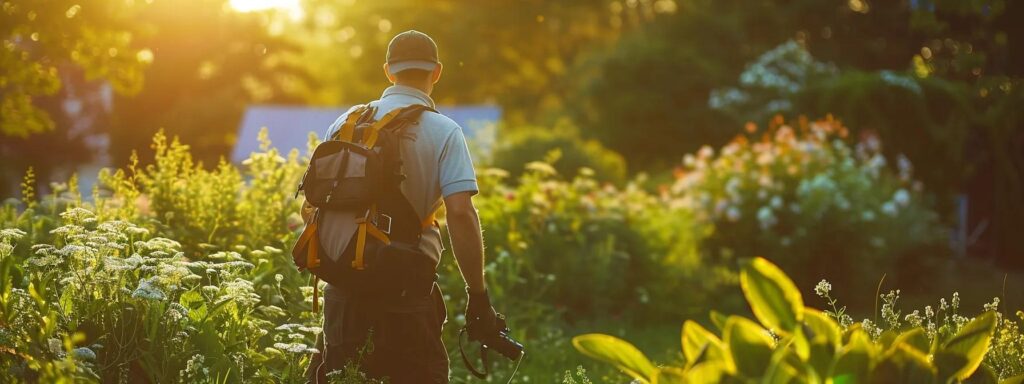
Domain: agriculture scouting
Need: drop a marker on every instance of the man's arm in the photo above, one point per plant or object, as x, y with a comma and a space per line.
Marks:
467, 240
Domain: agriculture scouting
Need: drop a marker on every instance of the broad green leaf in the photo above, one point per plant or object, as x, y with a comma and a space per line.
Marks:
617, 352
772, 296
788, 367
983, 375
749, 344
1014, 380
823, 338
948, 364
914, 338
970, 344
670, 375
904, 364
711, 372
821, 328
696, 339
718, 319
853, 363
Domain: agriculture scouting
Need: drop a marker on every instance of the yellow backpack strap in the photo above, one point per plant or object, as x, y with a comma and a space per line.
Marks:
366, 228
373, 133
347, 128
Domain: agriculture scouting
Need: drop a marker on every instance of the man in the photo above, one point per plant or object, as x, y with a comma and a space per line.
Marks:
402, 336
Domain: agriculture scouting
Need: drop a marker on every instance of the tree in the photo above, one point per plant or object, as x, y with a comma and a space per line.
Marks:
43, 39
518, 54
55, 54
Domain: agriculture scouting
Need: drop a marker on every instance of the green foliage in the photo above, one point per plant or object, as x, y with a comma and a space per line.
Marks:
195, 284
794, 193
222, 305
520, 60
814, 352
545, 233
38, 38
617, 352
517, 148
773, 298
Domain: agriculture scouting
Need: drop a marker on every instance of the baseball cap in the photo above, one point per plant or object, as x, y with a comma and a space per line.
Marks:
412, 50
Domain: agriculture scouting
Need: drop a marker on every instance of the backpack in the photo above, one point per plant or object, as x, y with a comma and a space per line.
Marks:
354, 182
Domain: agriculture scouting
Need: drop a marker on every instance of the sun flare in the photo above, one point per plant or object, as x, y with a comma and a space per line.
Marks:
293, 7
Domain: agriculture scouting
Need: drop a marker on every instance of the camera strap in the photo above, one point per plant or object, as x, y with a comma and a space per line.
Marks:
482, 375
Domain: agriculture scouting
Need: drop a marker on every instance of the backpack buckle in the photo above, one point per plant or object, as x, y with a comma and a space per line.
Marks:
382, 222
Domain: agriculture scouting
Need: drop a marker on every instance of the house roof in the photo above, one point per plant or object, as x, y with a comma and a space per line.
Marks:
289, 126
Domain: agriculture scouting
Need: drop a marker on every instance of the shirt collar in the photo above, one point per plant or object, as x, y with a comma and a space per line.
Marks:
403, 90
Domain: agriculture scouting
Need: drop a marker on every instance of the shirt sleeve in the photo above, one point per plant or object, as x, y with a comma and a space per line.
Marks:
457, 173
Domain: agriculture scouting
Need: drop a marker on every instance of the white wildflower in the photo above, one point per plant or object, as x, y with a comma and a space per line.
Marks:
146, 290
823, 288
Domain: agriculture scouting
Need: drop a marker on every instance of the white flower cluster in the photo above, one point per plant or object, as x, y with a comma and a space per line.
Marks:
147, 290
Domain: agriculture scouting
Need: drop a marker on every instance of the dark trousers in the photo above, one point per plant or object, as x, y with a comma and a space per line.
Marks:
397, 339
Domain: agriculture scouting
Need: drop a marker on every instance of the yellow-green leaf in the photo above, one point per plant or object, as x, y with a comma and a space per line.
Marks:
617, 352
718, 320
853, 363
904, 364
749, 345
670, 375
772, 296
696, 338
821, 328
915, 338
1014, 380
969, 344
711, 372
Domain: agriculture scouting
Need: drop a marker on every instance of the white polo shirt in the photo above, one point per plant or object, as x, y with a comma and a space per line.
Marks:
436, 162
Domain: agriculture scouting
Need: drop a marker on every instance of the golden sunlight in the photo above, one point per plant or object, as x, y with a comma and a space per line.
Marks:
292, 7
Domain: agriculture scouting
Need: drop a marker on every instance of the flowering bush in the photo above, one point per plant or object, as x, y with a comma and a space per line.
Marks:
171, 273
109, 301
804, 197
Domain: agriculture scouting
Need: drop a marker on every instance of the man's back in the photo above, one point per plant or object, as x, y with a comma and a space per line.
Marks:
435, 159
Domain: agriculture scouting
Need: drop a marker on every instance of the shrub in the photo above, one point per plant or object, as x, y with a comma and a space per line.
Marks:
794, 343
176, 272
120, 304
519, 148
805, 198
586, 247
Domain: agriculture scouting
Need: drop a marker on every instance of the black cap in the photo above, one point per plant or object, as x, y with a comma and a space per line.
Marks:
412, 50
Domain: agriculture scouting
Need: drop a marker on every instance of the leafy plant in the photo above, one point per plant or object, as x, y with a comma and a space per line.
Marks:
794, 192
791, 343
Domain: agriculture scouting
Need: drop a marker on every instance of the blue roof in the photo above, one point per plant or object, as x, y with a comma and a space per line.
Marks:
289, 126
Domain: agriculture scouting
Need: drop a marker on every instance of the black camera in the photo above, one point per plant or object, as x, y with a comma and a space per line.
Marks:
496, 339
501, 342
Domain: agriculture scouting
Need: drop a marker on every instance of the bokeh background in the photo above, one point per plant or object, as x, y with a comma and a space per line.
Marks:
630, 153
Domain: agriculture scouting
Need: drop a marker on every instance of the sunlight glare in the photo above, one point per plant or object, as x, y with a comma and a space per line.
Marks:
292, 7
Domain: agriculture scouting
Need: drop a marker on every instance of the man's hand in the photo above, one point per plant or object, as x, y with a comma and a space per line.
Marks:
481, 319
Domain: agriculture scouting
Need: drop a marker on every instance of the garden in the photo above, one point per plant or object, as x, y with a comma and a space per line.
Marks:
806, 209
